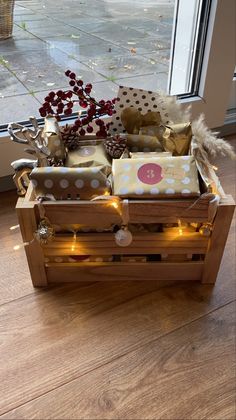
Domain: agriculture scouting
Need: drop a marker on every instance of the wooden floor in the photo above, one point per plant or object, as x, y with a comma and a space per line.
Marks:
141, 350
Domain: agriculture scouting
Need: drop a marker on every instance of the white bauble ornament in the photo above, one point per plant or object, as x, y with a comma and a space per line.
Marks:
123, 237
205, 229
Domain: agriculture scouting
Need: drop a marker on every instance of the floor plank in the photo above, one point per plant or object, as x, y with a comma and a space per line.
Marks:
188, 374
15, 278
71, 332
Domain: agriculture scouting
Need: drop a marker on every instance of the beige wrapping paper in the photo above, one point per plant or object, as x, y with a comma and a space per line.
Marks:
162, 177
51, 134
143, 143
149, 155
89, 155
74, 183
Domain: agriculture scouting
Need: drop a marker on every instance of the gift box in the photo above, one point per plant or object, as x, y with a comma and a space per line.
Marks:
74, 183
149, 155
89, 154
53, 140
158, 177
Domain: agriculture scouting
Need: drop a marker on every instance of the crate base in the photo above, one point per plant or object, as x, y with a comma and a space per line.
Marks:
209, 250
58, 273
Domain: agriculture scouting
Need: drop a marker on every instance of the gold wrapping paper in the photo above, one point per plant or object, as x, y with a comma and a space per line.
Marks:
175, 138
52, 136
140, 143
149, 155
74, 183
89, 155
153, 130
133, 120
162, 177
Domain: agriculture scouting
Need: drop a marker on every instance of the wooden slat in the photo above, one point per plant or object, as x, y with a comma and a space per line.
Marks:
151, 211
218, 239
143, 243
90, 271
33, 250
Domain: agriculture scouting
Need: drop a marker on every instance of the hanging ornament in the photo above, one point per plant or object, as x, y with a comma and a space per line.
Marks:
206, 229
123, 237
45, 232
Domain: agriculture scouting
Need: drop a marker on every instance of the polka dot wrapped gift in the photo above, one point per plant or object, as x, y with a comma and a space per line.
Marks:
160, 177
70, 183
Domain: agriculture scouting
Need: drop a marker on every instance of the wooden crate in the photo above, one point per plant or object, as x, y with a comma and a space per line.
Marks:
204, 269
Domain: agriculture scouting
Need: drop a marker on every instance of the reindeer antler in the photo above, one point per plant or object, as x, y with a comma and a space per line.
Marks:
33, 138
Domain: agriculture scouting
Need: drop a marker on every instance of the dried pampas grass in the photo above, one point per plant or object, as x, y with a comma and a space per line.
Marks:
176, 112
207, 139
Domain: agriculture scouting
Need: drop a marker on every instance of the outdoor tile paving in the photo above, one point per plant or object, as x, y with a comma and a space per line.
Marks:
106, 42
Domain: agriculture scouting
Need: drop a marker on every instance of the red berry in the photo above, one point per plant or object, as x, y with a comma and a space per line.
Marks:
87, 90
67, 72
51, 95
83, 104
89, 129
68, 111
42, 112
82, 132
77, 123
80, 82
69, 94
60, 93
72, 82
75, 89
89, 86
72, 75
70, 104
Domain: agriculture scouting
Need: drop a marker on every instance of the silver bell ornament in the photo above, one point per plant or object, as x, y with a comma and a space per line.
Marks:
45, 232
123, 237
206, 229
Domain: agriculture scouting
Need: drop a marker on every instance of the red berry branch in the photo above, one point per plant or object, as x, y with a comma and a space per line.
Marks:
62, 103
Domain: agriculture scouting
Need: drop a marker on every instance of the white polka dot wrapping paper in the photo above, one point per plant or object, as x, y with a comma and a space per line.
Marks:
70, 183
161, 177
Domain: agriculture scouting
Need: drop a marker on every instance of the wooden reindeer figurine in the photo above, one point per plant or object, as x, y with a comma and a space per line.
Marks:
37, 147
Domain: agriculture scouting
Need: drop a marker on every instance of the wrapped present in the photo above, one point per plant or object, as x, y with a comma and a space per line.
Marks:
161, 177
143, 143
132, 119
177, 139
53, 139
74, 183
89, 155
149, 155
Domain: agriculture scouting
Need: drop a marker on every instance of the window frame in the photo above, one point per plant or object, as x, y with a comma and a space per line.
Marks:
217, 69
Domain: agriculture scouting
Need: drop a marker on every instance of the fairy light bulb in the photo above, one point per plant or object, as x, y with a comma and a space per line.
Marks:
14, 227
180, 228
16, 247
74, 242
115, 204
19, 246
